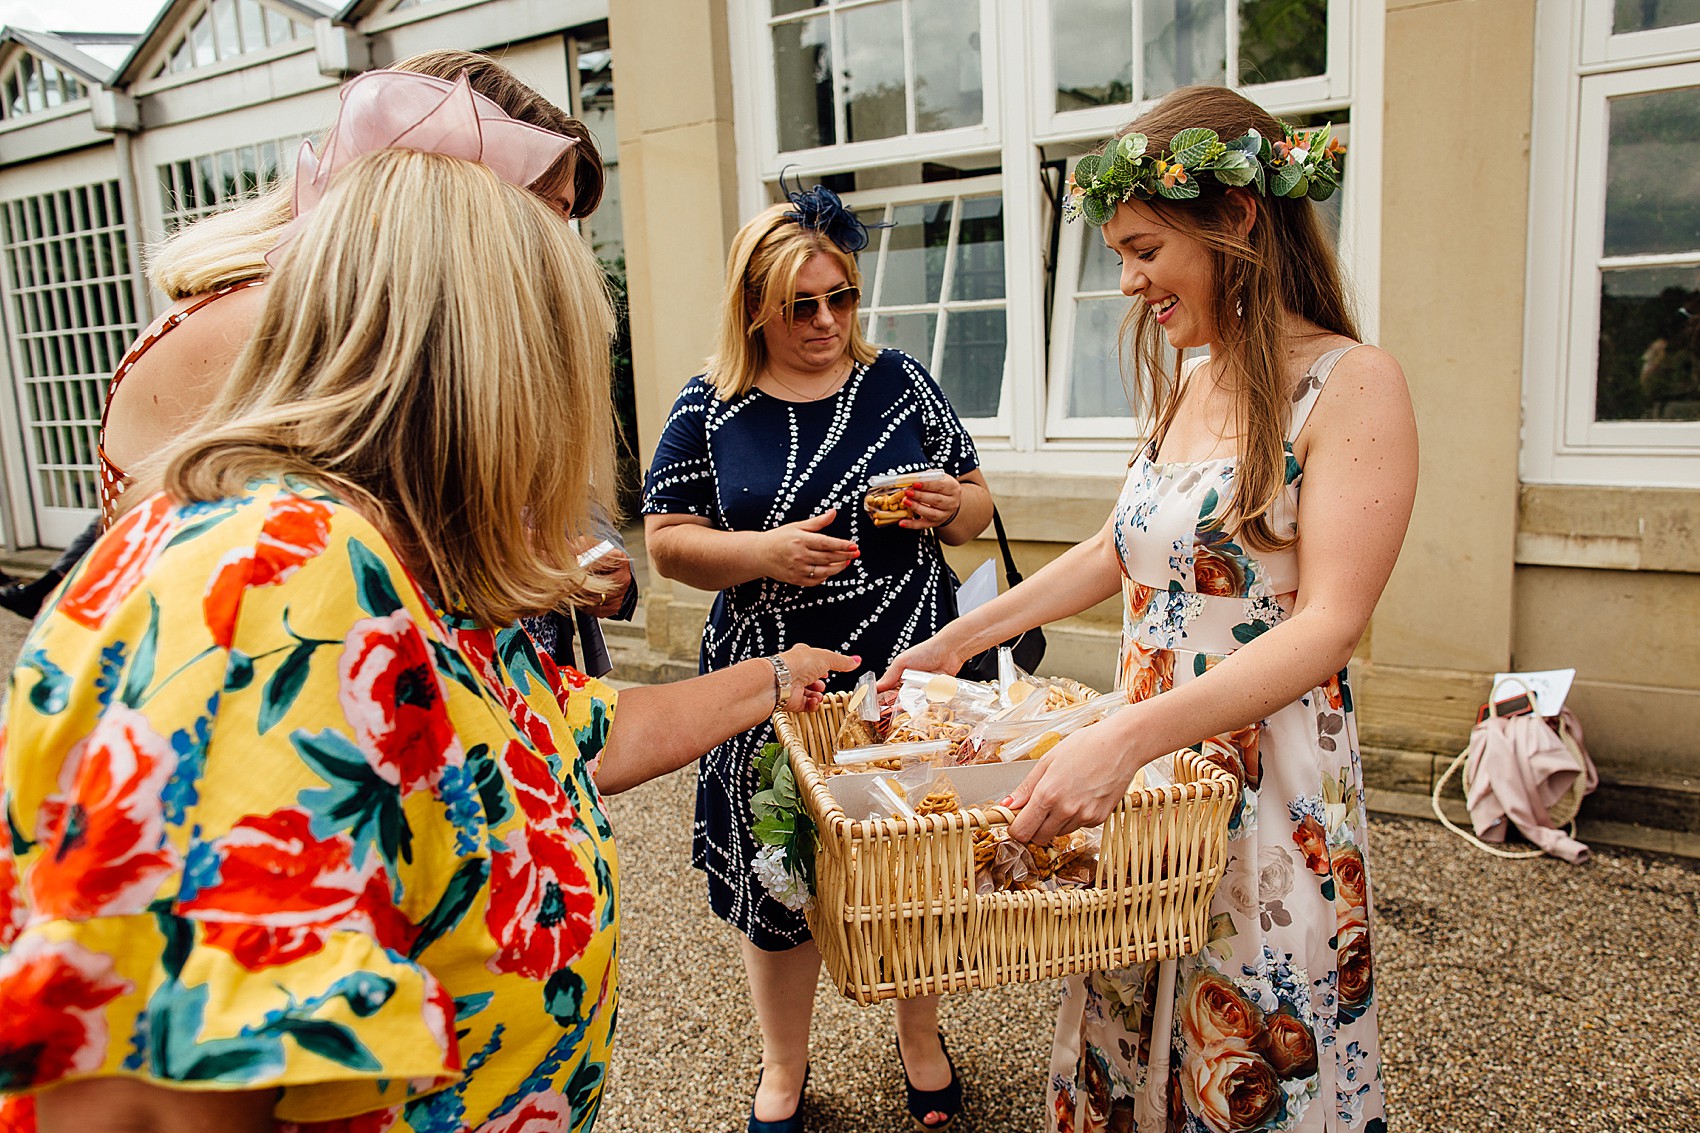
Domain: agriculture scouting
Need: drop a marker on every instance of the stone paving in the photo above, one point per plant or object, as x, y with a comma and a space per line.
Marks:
1523, 997
1517, 997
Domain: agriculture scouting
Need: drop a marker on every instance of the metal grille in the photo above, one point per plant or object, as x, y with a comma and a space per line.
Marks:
72, 290
196, 186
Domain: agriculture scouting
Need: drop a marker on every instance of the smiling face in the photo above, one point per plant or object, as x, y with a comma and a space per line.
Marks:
817, 344
1170, 271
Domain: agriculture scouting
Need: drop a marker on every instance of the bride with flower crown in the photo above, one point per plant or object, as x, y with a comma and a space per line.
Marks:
1253, 536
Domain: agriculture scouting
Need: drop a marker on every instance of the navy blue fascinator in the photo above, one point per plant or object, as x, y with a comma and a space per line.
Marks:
819, 210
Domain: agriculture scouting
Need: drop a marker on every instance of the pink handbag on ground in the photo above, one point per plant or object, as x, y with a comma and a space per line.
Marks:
1526, 771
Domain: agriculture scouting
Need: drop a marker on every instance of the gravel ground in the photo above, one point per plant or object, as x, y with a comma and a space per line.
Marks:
1524, 997
1534, 997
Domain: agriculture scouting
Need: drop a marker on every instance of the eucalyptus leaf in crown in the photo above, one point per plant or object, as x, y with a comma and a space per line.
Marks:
1300, 165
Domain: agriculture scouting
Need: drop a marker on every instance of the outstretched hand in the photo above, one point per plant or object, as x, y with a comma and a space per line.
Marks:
809, 669
798, 553
930, 656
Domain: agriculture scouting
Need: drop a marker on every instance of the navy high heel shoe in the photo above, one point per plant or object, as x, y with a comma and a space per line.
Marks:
920, 1103
792, 1124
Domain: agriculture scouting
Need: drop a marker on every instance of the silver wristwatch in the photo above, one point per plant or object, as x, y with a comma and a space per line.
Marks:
781, 681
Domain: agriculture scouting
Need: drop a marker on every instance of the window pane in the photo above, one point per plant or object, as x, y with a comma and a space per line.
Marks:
979, 250
785, 7
1100, 268
1186, 42
224, 29
1649, 345
278, 29
252, 22
1094, 372
948, 87
1650, 206
201, 33
1282, 39
1093, 41
872, 72
971, 371
912, 334
1644, 15
914, 258
802, 74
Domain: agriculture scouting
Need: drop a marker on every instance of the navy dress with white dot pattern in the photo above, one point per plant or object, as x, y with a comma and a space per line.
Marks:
755, 463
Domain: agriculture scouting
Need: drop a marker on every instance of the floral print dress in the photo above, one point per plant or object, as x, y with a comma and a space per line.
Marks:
1273, 1024
276, 821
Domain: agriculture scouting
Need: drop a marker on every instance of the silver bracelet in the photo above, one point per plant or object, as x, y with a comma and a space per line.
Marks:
781, 681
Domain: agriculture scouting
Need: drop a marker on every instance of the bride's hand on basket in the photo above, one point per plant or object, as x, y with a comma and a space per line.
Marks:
809, 669
1077, 783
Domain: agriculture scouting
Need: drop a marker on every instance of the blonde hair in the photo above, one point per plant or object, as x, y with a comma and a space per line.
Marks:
1284, 263
445, 370
231, 246
761, 278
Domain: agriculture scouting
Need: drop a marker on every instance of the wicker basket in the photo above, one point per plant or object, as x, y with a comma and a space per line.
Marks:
895, 912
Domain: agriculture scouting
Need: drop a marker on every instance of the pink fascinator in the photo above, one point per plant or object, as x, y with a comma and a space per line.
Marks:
399, 109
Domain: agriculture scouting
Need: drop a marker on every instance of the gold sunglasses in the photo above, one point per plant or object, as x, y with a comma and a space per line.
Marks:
840, 302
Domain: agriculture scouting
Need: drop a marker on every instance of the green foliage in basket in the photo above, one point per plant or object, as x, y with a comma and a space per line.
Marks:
781, 821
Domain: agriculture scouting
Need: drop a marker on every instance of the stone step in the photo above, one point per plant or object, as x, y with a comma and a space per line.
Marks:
635, 663
632, 630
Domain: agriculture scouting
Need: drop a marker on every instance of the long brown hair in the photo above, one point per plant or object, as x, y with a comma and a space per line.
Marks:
1285, 263
446, 372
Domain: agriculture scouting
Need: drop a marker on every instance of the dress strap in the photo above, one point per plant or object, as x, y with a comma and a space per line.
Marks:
1310, 388
113, 478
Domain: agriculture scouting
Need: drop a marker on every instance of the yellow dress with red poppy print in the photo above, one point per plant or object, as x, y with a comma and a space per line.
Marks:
1274, 1021
276, 821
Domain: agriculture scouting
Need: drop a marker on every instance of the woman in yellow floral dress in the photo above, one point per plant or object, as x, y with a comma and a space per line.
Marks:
297, 834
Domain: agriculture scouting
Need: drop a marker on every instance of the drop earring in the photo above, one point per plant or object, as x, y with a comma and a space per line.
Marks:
1239, 308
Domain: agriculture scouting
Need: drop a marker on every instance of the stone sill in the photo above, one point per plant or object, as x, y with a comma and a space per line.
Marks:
1604, 528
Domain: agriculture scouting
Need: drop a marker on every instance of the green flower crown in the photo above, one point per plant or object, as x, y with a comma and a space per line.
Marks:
1300, 165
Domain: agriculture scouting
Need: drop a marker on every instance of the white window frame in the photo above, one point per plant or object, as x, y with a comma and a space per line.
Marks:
155, 79
872, 206
48, 481
1100, 121
1580, 67
1058, 424
176, 216
753, 19
68, 82
1018, 122
1601, 46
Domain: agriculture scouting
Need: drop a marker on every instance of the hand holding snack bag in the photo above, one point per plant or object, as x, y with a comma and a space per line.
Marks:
928, 498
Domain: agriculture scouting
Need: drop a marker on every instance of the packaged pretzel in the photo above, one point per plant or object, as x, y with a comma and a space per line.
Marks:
885, 496
935, 706
861, 726
1001, 864
1029, 736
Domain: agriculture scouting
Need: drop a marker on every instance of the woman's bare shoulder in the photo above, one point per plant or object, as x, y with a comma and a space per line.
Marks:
171, 385
1367, 395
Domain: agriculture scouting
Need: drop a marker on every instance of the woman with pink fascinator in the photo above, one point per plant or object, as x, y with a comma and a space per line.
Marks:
304, 833
211, 270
